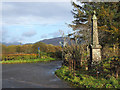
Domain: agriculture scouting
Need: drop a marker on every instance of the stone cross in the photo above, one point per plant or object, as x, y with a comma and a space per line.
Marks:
95, 48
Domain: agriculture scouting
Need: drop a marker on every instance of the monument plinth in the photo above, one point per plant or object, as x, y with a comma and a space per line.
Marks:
95, 47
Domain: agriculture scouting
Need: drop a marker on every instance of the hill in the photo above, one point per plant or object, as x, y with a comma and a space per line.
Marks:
13, 43
54, 41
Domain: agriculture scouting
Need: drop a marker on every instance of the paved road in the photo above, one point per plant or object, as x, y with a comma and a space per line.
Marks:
34, 75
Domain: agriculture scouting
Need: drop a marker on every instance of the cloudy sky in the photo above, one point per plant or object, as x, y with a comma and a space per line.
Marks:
29, 22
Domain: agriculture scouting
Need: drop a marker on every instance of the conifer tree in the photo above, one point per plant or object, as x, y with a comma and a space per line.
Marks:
108, 20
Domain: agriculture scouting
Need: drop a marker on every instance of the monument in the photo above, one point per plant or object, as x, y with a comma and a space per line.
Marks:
95, 47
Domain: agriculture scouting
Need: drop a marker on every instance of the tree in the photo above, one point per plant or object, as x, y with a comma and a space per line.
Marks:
18, 48
27, 48
108, 19
11, 49
39, 44
4, 49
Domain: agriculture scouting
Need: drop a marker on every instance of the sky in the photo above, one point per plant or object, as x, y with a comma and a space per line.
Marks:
29, 22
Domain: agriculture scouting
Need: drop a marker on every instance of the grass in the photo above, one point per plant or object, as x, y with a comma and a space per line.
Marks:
82, 80
27, 61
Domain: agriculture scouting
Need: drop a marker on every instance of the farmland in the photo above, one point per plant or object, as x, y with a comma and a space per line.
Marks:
24, 58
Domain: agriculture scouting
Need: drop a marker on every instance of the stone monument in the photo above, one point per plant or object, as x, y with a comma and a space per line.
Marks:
95, 47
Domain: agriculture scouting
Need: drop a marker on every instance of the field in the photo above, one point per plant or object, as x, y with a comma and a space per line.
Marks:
24, 58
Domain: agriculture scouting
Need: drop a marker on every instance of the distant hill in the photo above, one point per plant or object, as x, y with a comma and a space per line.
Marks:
54, 41
13, 43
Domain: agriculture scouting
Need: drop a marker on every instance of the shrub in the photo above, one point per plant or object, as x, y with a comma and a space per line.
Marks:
83, 80
113, 81
109, 86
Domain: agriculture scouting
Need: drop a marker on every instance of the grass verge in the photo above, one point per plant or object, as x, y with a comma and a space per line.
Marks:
86, 81
27, 61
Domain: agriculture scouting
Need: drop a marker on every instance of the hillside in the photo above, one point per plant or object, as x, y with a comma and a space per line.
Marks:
13, 43
54, 41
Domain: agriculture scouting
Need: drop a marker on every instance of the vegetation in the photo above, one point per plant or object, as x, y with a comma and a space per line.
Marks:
29, 53
25, 58
30, 48
108, 20
27, 61
76, 69
82, 80
111, 65
76, 56
6, 57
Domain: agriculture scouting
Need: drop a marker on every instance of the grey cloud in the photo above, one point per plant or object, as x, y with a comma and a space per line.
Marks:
15, 39
38, 12
29, 33
6, 36
37, 9
44, 36
52, 35
59, 33
55, 34
4, 32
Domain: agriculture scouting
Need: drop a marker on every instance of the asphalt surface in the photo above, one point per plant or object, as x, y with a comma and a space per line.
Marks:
32, 75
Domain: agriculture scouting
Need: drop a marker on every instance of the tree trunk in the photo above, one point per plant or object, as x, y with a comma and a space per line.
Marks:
70, 65
114, 48
117, 70
74, 68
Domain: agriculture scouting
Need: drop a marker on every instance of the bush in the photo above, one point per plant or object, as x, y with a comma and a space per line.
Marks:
23, 56
108, 86
114, 82
111, 65
83, 80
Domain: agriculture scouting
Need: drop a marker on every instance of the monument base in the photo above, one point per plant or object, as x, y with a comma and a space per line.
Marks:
95, 51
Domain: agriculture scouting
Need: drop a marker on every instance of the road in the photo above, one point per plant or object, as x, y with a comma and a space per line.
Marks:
32, 75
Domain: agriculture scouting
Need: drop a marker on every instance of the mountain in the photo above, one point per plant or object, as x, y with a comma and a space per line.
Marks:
12, 43
54, 41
